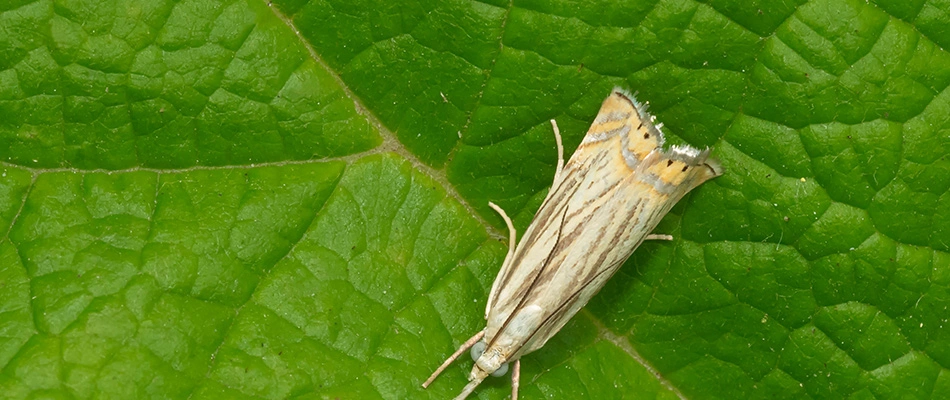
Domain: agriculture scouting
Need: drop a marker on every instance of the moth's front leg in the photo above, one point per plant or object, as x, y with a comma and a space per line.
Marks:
512, 242
560, 152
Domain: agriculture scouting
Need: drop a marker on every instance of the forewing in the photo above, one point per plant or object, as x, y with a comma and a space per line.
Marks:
611, 194
619, 124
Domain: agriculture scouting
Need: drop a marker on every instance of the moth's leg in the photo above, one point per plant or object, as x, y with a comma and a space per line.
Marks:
657, 236
465, 346
515, 378
560, 151
512, 235
512, 239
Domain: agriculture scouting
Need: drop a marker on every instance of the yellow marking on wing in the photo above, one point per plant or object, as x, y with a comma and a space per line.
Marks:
671, 172
623, 125
677, 174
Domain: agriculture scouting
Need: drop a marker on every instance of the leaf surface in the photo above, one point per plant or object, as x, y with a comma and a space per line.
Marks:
213, 199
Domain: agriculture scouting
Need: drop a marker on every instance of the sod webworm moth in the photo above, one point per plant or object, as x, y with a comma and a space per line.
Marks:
603, 203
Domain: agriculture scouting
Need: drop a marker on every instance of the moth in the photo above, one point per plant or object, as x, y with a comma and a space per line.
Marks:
603, 203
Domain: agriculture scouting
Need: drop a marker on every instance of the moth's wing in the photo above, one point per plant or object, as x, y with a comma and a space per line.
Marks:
627, 130
599, 211
621, 122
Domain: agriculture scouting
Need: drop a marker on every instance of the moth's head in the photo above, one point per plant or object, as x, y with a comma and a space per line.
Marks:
488, 361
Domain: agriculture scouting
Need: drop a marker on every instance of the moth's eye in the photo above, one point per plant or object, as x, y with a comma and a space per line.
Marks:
478, 349
501, 371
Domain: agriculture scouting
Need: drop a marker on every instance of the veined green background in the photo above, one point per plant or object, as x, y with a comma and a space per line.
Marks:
243, 199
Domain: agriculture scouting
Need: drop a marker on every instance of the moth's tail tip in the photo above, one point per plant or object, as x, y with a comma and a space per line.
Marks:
631, 97
624, 91
715, 166
696, 157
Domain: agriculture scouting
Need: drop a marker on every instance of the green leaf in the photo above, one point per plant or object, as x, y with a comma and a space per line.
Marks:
211, 199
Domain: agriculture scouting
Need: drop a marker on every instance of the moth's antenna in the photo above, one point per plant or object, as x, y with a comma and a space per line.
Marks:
448, 361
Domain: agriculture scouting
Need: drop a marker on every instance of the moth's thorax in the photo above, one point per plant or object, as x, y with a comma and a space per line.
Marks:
490, 361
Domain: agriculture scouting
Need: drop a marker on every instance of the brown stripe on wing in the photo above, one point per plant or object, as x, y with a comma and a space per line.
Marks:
522, 293
555, 266
553, 207
590, 158
574, 226
546, 327
568, 186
